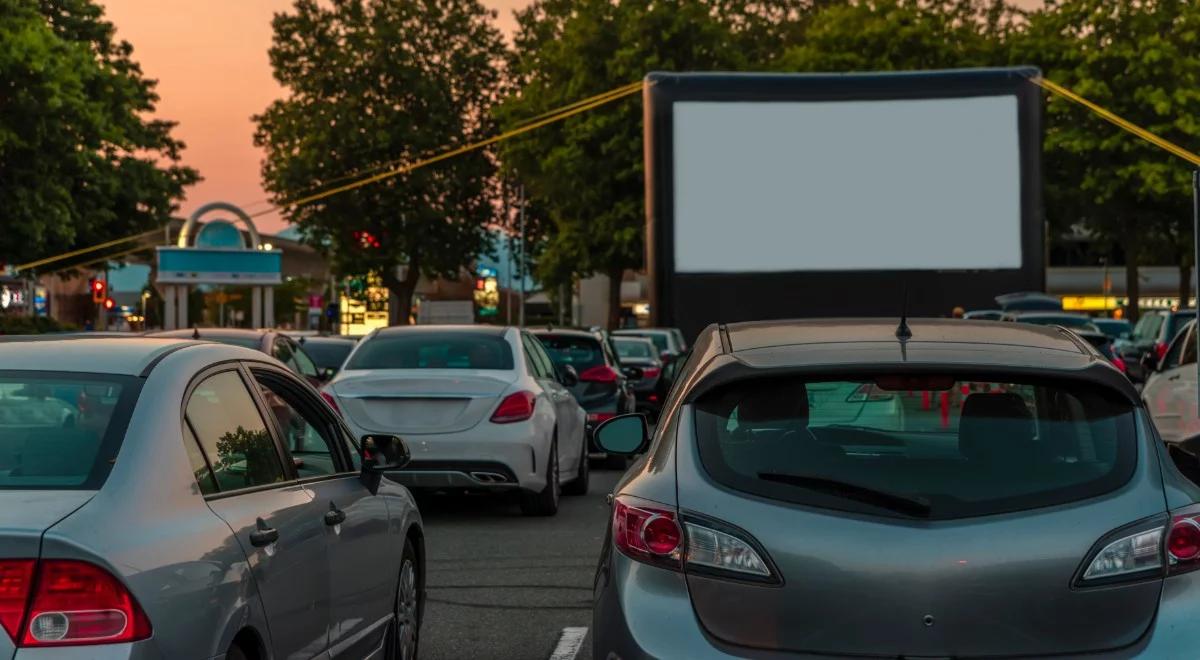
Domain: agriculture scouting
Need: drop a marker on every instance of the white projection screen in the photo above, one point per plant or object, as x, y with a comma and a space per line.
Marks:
845, 185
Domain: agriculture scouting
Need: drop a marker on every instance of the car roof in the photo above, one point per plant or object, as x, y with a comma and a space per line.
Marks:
331, 339
497, 330
191, 333
77, 354
1048, 315
566, 332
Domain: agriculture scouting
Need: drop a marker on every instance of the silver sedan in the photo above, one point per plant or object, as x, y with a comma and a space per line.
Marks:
170, 498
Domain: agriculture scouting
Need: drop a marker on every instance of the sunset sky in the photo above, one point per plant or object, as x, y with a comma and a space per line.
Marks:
210, 60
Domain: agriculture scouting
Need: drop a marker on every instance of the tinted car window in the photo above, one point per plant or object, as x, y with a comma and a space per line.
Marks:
856, 446
539, 366
1188, 354
200, 467
433, 350
1147, 327
659, 340
1115, 328
328, 354
1174, 351
61, 431
304, 363
1176, 322
304, 431
232, 433
577, 351
632, 348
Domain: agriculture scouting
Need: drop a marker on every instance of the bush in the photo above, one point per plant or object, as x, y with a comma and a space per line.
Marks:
31, 325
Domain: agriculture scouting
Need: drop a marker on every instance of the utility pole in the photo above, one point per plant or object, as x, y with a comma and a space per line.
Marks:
102, 319
512, 262
1195, 255
521, 225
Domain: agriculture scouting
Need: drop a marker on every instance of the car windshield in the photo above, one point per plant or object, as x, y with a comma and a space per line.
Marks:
634, 348
1115, 328
61, 431
657, 338
433, 350
328, 354
576, 351
959, 447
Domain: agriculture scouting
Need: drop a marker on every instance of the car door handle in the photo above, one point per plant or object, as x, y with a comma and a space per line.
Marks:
334, 516
263, 535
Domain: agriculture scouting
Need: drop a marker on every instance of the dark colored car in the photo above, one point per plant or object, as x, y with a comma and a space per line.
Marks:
1106, 347
328, 352
1153, 334
797, 500
604, 389
642, 353
1117, 329
276, 344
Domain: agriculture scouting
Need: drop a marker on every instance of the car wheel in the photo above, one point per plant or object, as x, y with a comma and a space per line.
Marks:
406, 628
580, 485
545, 501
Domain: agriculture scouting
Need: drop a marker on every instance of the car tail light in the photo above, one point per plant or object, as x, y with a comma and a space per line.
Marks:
1160, 349
1135, 553
601, 373
331, 401
597, 417
1183, 544
516, 407
652, 534
72, 603
650, 372
1119, 363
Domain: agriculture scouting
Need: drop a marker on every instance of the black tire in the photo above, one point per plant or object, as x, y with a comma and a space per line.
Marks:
616, 462
235, 652
405, 634
580, 484
545, 501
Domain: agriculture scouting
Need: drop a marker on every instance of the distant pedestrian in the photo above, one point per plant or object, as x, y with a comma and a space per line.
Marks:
958, 312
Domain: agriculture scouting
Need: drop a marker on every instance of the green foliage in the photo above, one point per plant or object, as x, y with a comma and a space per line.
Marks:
371, 83
79, 162
31, 325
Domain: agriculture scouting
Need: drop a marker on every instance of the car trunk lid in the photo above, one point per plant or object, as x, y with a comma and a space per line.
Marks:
420, 400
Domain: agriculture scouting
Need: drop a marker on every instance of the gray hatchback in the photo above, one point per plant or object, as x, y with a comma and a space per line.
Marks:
840, 488
167, 498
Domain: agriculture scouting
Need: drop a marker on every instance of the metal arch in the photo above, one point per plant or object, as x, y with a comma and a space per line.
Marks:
185, 235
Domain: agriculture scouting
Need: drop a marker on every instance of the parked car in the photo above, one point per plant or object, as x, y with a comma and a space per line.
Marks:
1105, 346
1170, 393
1152, 335
604, 388
1038, 520
642, 353
158, 505
1027, 301
273, 343
984, 315
328, 352
1117, 329
1080, 322
482, 407
669, 341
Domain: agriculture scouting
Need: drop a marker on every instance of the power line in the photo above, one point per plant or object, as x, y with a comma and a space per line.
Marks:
76, 253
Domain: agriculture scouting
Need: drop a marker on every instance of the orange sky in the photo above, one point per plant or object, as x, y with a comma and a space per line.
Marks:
210, 60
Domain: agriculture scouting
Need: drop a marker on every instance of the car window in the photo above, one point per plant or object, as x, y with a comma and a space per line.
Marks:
1171, 358
1147, 327
577, 351
232, 433
634, 348
1176, 322
870, 446
543, 357
329, 354
542, 367
1188, 339
433, 350
304, 363
307, 436
659, 340
61, 431
200, 467
283, 352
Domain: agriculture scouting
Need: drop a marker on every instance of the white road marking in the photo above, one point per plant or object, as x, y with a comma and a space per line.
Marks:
569, 643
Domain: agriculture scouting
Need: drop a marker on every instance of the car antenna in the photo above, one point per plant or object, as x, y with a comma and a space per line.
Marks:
903, 332
195, 332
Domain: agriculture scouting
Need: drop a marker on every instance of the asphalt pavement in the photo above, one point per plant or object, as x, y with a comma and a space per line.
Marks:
505, 587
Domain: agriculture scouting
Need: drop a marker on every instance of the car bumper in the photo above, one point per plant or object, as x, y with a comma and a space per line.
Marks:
478, 458
143, 650
641, 611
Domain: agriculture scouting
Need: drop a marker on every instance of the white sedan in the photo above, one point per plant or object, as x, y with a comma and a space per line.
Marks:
1170, 393
481, 408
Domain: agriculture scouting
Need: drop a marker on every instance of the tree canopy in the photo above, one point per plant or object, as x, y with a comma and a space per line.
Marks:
372, 84
79, 161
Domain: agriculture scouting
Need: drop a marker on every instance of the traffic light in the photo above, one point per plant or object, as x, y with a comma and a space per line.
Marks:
99, 290
109, 303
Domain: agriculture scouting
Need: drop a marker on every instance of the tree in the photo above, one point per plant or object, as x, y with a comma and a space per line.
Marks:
79, 162
373, 83
1138, 59
586, 172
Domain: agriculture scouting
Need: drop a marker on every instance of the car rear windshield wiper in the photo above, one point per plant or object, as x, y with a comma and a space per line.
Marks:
910, 506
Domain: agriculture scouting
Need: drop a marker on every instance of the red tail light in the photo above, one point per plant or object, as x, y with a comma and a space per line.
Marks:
1160, 349
601, 373
650, 372
597, 417
1183, 544
331, 401
1120, 365
73, 603
516, 407
647, 533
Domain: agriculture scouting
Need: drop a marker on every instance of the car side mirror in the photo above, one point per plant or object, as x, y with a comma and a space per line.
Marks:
380, 454
633, 373
568, 376
623, 435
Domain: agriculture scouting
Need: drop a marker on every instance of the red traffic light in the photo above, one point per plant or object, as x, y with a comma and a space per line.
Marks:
98, 288
366, 240
109, 303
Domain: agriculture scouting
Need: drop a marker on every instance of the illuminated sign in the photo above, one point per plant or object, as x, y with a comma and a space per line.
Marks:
487, 292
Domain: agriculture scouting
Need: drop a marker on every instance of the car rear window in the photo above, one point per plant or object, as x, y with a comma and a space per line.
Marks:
433, 350
659, 340
59, 430
579, 352
937, 448
328, 354
633, 348
1177, 321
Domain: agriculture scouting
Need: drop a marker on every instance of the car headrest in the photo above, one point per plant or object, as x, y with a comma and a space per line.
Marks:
768, 401
995, 425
